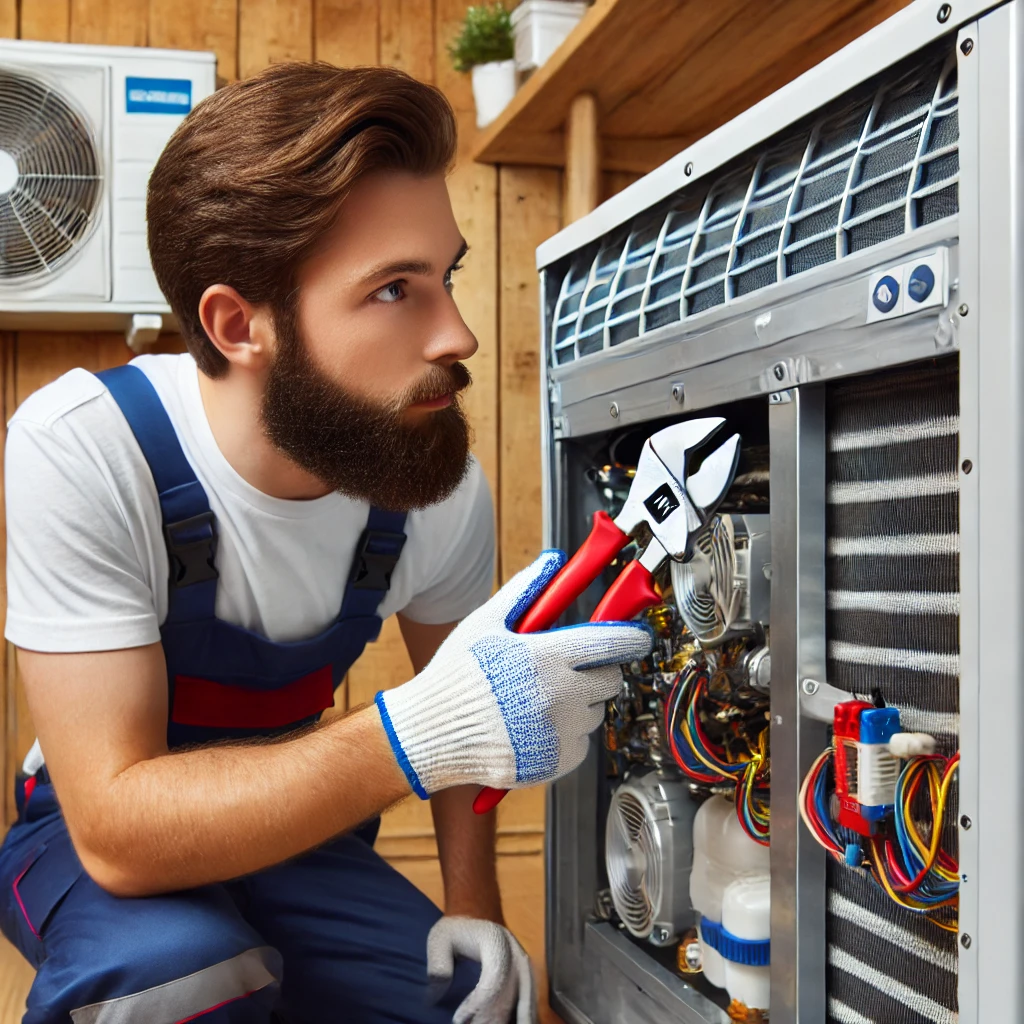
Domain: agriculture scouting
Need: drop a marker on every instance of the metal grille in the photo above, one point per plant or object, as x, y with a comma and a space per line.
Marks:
50, 180
873, 166
893, 624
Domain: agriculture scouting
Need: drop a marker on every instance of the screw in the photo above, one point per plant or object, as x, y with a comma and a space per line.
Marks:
688, 169
779, 369
678, 393
963, 878
778, 719
967, 465
963, 309
944, 12
810, 686
965, 940
613, 410
966, 46
965, 822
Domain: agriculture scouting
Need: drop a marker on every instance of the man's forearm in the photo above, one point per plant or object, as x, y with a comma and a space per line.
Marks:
207, 815
465, 844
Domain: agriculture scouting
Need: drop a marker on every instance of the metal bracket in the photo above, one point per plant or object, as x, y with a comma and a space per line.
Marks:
818, 700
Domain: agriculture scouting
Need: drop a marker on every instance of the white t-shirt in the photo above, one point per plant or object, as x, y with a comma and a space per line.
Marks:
86, 563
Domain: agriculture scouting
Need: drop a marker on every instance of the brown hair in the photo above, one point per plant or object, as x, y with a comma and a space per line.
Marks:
252, 179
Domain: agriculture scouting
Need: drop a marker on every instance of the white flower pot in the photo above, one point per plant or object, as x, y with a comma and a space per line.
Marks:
494, 85
540, 27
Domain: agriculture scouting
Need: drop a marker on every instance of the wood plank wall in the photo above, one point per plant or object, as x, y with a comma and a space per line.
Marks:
504, 213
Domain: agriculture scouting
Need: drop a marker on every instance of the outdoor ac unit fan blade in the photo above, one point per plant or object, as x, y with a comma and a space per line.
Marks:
705, 587
50, 180
648, 854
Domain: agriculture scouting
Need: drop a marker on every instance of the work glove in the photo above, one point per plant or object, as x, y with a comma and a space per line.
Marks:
503, 709
506, 979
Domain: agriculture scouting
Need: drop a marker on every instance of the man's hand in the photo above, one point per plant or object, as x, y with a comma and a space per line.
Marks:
505, 993
503, 709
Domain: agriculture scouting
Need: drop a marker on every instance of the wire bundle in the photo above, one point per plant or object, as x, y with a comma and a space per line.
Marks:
913, 870
710, 763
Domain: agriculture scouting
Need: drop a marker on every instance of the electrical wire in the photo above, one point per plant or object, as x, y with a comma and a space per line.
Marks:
912, 868
708, 762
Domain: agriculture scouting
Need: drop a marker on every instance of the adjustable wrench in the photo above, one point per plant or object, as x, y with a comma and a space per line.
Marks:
673, 504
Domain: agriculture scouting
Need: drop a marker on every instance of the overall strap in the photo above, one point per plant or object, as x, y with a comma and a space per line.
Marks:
376, 556
190, 531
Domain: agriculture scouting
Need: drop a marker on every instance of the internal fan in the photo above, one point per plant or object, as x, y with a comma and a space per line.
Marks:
50, 180
724, 587
648, 852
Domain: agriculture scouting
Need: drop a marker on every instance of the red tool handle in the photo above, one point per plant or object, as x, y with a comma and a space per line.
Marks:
631, 592
606, 540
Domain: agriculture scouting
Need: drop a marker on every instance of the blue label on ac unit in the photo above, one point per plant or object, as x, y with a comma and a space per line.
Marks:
158, 96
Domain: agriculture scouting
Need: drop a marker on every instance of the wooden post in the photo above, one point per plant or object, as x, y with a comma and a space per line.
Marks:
582, 158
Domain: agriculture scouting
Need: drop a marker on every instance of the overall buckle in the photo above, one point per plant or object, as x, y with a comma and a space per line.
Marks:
375, 559
191, 559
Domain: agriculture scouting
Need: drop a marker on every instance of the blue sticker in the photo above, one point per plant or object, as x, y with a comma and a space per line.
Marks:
158, 96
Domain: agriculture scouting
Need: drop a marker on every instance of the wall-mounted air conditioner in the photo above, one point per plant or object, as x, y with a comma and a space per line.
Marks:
81, 128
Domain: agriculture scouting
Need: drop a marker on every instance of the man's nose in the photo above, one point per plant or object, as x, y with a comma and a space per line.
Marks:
451, 341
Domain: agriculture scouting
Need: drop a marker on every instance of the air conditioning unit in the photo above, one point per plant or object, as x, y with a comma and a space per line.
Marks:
80, 130
837, 272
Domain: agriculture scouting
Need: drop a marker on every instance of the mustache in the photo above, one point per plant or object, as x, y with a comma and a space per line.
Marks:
438, 382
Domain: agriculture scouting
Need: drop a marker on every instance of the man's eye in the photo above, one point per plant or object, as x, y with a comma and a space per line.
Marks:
391, 292
448, 276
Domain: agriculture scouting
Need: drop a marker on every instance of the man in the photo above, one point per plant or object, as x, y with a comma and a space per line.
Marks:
200, 546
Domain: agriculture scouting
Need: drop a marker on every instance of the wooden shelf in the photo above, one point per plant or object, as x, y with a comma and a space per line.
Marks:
667, 72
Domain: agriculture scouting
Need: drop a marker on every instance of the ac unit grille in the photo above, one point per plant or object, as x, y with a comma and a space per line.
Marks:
892, 530
50, 181
872, 166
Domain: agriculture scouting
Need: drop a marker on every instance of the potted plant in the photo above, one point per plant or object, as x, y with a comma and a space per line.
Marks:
485, 48
540, 27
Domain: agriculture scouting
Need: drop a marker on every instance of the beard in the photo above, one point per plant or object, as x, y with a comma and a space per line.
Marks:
359, 447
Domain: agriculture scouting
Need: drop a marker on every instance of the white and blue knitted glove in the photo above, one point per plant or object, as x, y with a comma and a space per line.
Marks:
505, 993
504, 709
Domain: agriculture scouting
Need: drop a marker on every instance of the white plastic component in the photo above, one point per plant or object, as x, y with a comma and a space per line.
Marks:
109, 277
906, 296
730, 882
911, 744
877, 771
746, 913
540, 27
143, 331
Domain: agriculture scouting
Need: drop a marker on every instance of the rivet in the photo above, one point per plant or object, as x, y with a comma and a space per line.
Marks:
967, 465
688, 169
965, 822
965, 940
810, 686
944, 12
963, 878
963, 309
613, 410
966, 46
779, 369
678, 393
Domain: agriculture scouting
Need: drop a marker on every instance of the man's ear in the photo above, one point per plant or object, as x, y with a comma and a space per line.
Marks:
242, 332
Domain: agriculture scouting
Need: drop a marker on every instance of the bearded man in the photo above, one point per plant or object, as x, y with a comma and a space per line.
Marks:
200, 545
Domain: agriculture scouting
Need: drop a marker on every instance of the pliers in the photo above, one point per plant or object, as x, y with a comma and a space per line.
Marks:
665, 498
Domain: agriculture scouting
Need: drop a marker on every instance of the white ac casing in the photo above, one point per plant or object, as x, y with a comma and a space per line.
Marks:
109, 279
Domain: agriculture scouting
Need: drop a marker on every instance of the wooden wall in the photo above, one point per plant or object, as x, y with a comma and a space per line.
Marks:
504, 213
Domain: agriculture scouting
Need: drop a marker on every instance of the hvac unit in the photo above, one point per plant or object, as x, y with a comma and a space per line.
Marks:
838, 273
80, 130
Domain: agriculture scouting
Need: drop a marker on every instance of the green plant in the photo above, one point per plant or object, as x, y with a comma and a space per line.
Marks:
486, 36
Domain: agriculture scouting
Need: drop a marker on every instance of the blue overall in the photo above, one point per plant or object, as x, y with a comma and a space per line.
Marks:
334, 935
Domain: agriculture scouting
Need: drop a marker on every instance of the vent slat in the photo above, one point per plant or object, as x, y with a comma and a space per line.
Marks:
871, 167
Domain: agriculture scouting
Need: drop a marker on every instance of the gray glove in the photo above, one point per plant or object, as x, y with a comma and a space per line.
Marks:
506, 980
